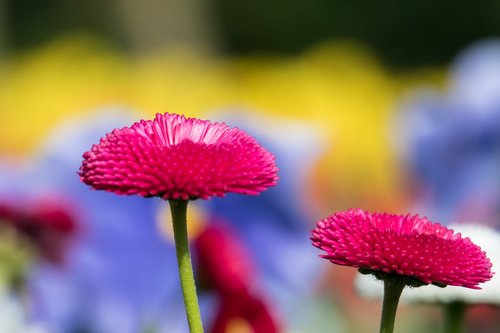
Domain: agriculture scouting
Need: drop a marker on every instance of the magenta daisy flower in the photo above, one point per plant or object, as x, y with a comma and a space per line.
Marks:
401, 250
179, 159
175, 157
402, 245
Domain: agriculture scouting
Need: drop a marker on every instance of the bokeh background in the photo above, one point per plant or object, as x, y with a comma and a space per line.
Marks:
387, 106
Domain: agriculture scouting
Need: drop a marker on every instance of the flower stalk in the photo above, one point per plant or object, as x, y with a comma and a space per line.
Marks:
178, 208
454, 314
392, 292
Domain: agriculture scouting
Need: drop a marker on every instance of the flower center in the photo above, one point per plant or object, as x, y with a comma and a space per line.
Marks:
239, 325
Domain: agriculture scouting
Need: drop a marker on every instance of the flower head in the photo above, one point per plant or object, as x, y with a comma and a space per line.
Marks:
175, 157
114, 247
487, 238
407, 246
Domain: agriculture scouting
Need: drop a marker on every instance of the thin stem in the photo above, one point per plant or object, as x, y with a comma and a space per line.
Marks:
392, 291
178, 208
454, 314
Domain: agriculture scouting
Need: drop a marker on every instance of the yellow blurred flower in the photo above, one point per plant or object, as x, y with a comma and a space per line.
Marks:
339, 87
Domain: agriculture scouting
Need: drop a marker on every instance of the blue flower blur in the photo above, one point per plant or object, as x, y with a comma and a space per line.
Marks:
451, 141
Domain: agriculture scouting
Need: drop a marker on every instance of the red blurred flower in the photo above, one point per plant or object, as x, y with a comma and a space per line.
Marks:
223, 263
46, 225
402, 245
252, 310
226, 267
174, 157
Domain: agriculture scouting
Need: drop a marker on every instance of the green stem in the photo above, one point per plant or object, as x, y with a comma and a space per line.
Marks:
178, 208
454, 313
392, 291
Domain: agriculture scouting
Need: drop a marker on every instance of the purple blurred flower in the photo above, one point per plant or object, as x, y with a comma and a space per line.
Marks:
452, 141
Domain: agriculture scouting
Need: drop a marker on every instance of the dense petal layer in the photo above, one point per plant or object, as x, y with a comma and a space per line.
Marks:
178, 158
487, 238
404, 245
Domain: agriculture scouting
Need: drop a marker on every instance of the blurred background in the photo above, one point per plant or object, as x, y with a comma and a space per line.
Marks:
385, 106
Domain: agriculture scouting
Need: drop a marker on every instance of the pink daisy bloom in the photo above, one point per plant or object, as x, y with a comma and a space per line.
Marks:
404, 246
175, 157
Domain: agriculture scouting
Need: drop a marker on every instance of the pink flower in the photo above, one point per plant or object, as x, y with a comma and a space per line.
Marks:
225, 266
175, 157
401, 245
